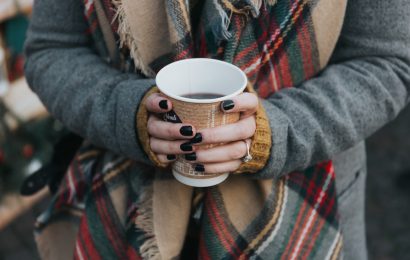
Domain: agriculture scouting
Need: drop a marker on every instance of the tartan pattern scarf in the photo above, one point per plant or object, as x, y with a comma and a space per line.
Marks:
117, 208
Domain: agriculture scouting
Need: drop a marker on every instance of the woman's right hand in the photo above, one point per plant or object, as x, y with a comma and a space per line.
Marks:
167, 139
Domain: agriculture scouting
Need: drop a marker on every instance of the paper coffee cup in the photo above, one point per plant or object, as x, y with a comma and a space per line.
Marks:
206, 77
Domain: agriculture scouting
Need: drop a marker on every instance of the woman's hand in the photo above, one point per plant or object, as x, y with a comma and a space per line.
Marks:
228, 157
168, 139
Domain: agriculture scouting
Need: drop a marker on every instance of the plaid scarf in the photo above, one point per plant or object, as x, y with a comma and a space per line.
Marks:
117, 208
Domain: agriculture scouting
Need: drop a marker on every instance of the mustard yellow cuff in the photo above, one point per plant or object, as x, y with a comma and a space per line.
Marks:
141, 125
261, 141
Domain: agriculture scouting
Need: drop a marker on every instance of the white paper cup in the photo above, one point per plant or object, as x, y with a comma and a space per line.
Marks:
206, 76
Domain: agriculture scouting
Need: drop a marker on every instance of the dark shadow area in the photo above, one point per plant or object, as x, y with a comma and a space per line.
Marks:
388, 190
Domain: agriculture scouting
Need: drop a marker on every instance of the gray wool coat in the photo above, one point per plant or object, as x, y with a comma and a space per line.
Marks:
365, 86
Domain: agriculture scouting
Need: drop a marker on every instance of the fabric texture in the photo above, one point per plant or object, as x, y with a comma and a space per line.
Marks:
365, 85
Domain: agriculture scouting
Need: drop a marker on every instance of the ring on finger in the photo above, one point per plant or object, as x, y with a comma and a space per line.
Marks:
248, 157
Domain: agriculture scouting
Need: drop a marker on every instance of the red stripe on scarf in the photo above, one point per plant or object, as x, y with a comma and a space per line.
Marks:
119, 244
318, 227
245, 52
223, 232
90, 10
110, 228
295, 229
203, 253
268, 40
263, 38
92, 27
182, 55
216, 227
312, 191
88, 245
301, 219
305, 48
316, 233
284, 70
132, 253
109, 10
202, 44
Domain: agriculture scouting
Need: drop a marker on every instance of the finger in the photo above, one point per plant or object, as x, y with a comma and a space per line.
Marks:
241, 130
166, 158
156, 103
213, 168
160, 146
223, 153
247, 103
169, 131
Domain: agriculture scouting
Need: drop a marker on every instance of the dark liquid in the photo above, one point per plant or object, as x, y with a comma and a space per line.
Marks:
203, 96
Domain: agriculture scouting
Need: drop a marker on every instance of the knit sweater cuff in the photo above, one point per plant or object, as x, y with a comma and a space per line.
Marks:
142, 130
261, 141
260, 147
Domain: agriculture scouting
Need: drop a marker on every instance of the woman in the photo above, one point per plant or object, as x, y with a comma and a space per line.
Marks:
302, 195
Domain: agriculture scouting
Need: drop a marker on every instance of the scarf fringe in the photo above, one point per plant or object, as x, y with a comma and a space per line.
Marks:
126, 38
145, 221
221, 31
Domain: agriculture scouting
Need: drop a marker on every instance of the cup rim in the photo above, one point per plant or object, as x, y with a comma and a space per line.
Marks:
202, 101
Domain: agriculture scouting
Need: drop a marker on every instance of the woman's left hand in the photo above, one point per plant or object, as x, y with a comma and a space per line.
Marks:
227, 157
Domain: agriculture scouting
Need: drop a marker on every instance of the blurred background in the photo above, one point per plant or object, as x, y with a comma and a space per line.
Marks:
27, 136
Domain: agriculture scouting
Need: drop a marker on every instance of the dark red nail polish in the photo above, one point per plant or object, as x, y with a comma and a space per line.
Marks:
190, 156
196, 139
186, 130
199, 168
163, 104
227, 104
186, 147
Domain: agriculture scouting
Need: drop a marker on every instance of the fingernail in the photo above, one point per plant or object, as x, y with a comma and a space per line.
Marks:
199, 168
186, 147
196, 139
171, 157
186, 130
163, 104
228, 104
190, 156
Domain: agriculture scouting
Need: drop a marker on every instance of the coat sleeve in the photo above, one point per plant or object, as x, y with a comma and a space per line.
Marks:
91, 98
365, 86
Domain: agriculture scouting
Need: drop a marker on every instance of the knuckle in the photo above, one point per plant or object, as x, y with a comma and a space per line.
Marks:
152, 143
235, 165
209, 136
170, 130
216, 168
152, 102
248, 128
252, 129
147, 102
212, 169
150, 125
162, 158
171, 147
255, 100
238, 151
243, 132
